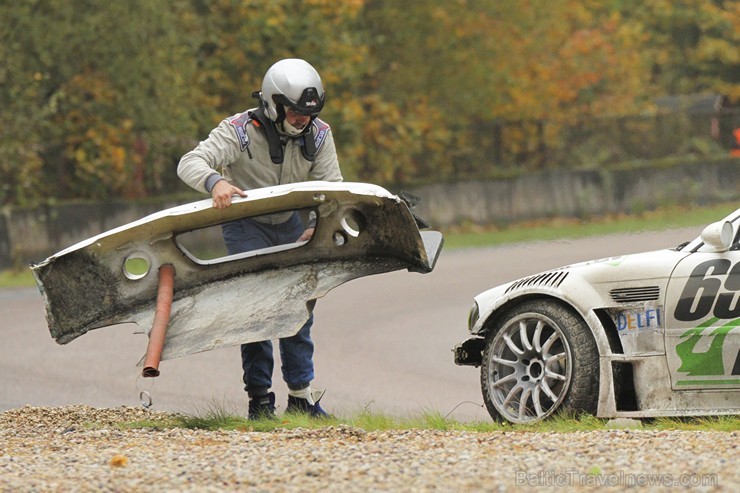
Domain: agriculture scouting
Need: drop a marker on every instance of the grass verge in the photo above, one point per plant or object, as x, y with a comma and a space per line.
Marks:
16, 279
432, 420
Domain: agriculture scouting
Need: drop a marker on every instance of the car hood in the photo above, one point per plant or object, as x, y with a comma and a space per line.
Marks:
639, 267
628, 271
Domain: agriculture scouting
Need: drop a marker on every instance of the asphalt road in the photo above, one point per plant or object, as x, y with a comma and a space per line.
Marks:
383, 342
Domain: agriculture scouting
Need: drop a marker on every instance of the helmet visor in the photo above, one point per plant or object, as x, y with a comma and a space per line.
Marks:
310, 103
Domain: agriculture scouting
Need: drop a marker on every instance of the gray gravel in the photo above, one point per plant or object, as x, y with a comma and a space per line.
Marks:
57, 449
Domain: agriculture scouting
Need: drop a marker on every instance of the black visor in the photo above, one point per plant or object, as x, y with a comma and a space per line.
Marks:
310, 103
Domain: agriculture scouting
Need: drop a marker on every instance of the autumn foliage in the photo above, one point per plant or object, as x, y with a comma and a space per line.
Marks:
100, 99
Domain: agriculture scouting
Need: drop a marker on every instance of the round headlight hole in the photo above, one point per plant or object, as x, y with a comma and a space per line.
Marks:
136, 266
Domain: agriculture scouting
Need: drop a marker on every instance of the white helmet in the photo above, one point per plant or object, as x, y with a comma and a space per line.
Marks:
293, 83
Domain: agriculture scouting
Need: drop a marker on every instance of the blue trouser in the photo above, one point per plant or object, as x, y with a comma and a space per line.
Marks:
296, 352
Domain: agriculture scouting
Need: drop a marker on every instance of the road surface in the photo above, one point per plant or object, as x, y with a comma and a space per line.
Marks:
383, 343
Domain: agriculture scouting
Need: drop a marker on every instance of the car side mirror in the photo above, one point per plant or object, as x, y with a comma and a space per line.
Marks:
718, 236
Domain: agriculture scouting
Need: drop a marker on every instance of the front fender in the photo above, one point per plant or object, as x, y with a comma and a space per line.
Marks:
559, 285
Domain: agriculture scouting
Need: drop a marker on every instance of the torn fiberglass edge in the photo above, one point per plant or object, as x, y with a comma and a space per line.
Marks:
361, 230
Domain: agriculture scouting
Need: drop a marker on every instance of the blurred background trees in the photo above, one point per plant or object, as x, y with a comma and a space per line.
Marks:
100, 99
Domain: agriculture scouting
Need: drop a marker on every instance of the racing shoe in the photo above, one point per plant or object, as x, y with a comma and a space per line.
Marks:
299, 405
262, 407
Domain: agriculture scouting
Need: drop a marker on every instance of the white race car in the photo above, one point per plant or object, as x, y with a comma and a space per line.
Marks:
644, 335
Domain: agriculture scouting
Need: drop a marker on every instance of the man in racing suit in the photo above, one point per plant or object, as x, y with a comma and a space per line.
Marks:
280, 142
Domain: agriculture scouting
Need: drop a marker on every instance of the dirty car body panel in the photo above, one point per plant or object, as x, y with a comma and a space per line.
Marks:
361, 230
665, 324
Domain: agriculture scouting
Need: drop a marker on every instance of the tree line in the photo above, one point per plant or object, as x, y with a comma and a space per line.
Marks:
99, 100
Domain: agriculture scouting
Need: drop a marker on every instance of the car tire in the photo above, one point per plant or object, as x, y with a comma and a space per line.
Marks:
540, 358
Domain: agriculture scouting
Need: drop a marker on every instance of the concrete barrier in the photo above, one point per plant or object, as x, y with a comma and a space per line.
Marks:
574, 193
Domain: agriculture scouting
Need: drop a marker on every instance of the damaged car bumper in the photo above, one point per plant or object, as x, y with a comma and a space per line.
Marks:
112, 278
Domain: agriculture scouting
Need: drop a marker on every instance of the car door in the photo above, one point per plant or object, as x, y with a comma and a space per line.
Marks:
703, 319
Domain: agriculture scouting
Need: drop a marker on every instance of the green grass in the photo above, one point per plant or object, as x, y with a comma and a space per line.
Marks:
429, 420
715, 423
16, 279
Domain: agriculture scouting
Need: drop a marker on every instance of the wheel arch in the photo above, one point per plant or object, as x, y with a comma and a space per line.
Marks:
591, 317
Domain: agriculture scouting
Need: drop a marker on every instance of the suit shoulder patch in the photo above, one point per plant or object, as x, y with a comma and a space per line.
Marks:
239, 124
322, 130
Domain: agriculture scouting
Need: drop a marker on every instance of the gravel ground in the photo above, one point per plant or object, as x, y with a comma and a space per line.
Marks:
56, 449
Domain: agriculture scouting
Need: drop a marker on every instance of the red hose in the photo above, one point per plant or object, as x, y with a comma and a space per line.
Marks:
161, 319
